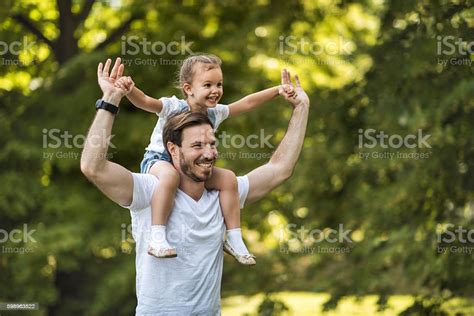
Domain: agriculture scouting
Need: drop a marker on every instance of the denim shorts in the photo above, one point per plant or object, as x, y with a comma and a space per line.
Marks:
150, 158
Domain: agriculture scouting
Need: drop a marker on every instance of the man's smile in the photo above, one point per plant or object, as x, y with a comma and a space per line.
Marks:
205, 164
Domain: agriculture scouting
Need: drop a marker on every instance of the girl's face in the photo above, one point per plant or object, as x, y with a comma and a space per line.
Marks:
206, 88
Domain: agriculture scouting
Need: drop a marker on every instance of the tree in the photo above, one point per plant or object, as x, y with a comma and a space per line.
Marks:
69, 24
367, 65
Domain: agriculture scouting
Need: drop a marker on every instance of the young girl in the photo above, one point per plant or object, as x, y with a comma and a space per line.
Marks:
200, 79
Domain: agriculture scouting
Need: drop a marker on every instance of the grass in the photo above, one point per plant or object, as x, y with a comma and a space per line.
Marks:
306, 304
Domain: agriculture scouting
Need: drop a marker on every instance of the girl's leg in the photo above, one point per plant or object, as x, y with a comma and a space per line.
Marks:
226, 181
161, 204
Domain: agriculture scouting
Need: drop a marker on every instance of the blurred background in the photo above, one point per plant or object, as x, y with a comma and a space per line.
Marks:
378, 218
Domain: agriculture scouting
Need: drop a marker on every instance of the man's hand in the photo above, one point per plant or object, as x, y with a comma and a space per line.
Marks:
295, 96
115, 181
112, 94
280, 167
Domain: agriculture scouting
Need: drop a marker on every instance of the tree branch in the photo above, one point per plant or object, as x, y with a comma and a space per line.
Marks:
86, 10
32, 28
117, 32
65, 14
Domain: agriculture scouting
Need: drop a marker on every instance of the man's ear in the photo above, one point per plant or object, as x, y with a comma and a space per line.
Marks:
172, 148
187, 89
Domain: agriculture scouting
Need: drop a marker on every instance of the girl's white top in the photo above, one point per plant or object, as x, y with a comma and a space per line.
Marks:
174, 105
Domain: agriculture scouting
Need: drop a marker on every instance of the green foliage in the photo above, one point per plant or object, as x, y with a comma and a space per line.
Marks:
426, 307
389, 80
271, 307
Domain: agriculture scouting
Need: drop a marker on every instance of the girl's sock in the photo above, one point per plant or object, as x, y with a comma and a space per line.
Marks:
234, 237
158, 237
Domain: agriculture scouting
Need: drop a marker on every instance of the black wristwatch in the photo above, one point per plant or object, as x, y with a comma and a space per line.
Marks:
101, 104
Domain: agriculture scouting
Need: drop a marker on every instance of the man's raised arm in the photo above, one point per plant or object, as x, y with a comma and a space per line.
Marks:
281, 165
113, 180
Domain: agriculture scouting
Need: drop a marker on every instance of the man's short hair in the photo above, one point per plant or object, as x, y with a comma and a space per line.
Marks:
173, 129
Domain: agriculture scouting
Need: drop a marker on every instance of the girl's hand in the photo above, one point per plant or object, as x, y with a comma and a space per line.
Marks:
294, 95
286, 89
125, 83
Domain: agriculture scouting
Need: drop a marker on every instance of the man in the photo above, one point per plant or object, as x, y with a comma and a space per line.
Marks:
190, 283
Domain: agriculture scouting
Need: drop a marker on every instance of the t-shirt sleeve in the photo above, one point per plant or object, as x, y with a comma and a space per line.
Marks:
243, 187
222, 112
143, 187
170, 105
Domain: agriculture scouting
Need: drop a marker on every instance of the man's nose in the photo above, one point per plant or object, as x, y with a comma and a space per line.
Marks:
210, 152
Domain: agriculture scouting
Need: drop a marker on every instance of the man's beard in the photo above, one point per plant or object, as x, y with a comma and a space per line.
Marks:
187, 170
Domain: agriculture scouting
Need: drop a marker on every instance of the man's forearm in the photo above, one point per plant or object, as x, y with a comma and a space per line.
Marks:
280, 167
287, 153
282, 163
97, 142
115, 181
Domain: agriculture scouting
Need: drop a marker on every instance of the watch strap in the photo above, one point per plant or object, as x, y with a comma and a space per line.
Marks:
101, 104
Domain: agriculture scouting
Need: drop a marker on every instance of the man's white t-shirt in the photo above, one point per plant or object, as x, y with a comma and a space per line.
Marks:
174, 105
189, 284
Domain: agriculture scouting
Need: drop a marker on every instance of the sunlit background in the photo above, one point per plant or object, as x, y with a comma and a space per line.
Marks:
378, 218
